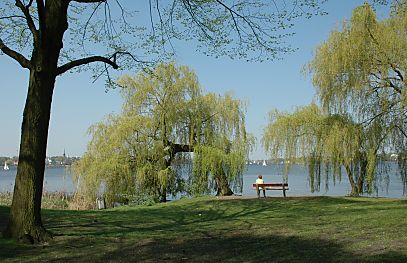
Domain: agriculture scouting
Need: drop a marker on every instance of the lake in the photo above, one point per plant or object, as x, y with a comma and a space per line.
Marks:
59, 179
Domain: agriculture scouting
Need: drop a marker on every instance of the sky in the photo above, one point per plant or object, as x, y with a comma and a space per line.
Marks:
79, 103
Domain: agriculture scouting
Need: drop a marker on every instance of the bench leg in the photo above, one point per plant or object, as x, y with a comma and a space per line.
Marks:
258, 193
284, 192
264, 193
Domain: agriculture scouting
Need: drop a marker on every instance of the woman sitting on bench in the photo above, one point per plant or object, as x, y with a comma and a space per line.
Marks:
260, 180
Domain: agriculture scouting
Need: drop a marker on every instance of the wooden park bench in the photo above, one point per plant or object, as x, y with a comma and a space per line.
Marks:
279, 186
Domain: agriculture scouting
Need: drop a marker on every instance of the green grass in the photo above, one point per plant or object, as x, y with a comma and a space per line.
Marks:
308, 229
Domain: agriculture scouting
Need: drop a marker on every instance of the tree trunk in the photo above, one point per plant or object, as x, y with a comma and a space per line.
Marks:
363, 172
355, 190
25, 214
222, 185
163, 197
25, 217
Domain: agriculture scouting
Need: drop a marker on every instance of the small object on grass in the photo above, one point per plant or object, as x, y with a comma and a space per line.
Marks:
100, 203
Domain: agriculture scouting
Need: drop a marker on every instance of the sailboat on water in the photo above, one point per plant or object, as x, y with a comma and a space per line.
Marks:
264, 163
6, 168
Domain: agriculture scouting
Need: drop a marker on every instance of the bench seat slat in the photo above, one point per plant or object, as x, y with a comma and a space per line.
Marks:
271, 185
271, 188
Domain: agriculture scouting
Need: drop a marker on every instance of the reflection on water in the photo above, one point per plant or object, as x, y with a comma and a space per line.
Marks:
59, 179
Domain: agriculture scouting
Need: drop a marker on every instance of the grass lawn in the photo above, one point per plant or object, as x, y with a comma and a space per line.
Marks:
210, 229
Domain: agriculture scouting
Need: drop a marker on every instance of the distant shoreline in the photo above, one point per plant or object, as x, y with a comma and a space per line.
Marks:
46, 166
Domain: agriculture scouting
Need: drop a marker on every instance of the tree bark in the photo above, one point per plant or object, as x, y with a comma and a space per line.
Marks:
25, 222
163, 197
25, 217
363, 172
222, 185
355, 189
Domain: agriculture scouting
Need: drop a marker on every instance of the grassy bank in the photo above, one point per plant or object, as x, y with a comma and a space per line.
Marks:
312, 229
50, 200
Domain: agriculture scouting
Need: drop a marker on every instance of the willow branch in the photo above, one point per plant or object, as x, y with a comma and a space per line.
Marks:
397, 89
178, 148
25, 63
398, 72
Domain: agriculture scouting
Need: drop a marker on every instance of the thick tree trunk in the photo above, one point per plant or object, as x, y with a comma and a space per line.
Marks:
25, 217
222, 185
25, 214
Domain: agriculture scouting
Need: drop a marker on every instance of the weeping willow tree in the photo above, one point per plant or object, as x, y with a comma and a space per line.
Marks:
326, 143
222, 146
123, 160
360, 71
164, 116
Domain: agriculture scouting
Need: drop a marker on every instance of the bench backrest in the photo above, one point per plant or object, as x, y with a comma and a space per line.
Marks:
274, 184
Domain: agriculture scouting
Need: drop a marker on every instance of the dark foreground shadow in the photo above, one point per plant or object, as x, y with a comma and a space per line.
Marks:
242, 249
179, 235
4, 211
230, 248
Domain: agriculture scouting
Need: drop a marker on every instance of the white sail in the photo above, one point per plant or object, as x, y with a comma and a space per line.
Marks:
264, 163
6, 166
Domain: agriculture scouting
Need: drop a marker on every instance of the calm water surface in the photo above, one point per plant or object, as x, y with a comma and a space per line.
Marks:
59, 179
56, 179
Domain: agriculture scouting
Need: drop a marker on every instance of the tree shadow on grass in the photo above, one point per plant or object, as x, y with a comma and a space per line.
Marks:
246, 248
177, 218
208, 231
116, 222
4, 211
223, 248
8, 248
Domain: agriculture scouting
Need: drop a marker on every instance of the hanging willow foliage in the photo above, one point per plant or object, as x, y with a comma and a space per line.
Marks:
214, 167
360, 71
106, 163
325, 143
165, 115
222, 146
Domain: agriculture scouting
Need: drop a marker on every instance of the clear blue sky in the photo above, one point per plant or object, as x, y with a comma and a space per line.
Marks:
78, 103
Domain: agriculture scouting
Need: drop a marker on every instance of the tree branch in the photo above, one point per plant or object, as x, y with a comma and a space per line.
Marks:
249, 23
398, 72
68, 66
25, 63
10, 17
41, 12
29, 4
28, 18
397, 89
178, 148
89, 1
